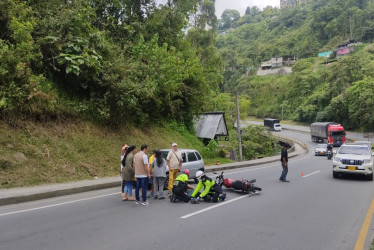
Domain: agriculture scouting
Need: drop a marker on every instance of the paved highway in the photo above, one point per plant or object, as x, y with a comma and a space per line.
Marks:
313, 211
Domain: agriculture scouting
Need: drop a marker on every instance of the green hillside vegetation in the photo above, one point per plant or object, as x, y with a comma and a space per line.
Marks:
52, 152
80, 78
341, 91
34, 154
111, 62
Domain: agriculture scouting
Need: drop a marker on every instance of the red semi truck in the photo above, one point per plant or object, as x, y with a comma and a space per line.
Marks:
331, 132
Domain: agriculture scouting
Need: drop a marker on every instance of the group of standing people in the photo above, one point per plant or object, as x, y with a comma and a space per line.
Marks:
136, 165
153, 171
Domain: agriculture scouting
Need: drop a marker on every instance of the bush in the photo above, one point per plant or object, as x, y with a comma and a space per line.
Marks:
256, 142
211, 150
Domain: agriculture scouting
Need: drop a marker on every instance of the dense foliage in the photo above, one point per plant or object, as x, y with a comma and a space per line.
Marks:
257, 143
340, 91
110, 61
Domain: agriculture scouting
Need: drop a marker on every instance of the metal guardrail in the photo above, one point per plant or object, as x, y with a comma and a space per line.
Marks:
292, 142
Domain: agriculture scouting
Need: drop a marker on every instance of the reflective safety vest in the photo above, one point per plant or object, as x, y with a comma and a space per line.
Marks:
181, 179
207, 185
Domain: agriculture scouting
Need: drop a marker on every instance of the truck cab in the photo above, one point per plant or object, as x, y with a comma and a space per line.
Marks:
277, 127
336, 134
272, 124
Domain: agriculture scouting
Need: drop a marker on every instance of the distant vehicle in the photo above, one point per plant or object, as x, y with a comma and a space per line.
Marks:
364, 143
320, 149
353, 159
273, 124
330, 132
329, 154
277, 127
192, 161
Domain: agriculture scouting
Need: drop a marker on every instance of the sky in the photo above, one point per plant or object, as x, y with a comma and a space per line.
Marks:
239, 5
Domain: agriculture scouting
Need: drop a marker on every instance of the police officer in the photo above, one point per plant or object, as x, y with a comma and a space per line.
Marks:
180, 187
211, 191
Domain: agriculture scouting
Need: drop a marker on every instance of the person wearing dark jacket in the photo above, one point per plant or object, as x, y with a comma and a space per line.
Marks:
180, 187
284, 161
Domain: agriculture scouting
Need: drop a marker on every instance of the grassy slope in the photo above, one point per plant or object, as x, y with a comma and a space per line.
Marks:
73, 151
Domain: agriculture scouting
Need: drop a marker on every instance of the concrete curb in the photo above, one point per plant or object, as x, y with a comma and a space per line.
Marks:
19, 195
302, 150
218, 168
56, 193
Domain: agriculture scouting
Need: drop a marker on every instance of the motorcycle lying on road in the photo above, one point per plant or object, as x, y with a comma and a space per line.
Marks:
245, 186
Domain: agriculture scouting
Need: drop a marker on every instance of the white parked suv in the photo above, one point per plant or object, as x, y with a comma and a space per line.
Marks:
353, 159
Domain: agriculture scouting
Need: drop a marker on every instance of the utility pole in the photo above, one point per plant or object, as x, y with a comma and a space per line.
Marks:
238, 128
282, 110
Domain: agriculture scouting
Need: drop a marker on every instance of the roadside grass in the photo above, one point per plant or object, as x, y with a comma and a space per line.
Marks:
213, 161
44, 153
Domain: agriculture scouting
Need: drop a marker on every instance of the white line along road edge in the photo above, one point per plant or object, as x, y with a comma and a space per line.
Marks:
218, 205
55, 205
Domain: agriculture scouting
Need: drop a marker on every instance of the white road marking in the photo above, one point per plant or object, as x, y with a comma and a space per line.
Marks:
58, 204
311, 174
215, 206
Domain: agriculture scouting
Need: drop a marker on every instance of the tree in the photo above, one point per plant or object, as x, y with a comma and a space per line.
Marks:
229, 17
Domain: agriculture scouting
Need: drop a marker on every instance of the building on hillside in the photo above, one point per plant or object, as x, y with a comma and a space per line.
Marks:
277, 66
210, 125
289, 3
288, 60
325, 54
346, 48
266, 65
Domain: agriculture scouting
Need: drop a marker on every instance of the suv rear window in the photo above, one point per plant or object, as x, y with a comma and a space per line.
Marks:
192, 156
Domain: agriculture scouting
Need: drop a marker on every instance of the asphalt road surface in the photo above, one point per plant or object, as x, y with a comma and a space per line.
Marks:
312, 211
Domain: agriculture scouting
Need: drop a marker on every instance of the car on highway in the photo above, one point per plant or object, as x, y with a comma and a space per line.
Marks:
353, 159
192, 161
320, 149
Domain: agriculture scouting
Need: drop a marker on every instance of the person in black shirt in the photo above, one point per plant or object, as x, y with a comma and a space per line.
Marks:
284, 160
